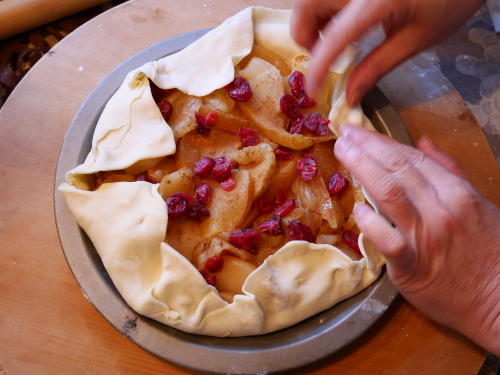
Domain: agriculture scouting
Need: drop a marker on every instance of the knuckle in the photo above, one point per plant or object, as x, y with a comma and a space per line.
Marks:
463, 201
455, 209
397, 165
462, 194
448, 220
358, 162
388, 190
405, 162
416, 157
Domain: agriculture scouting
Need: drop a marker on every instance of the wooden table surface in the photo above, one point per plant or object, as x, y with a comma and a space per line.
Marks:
46, 324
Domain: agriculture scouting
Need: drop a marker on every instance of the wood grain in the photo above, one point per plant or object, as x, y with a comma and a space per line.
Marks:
46, 324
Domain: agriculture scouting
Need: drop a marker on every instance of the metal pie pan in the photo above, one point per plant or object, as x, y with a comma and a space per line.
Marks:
304, 343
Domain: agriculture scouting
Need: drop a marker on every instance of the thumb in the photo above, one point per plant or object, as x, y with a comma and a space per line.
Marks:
386, 238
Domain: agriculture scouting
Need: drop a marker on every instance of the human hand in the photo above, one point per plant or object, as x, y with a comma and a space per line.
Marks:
443, 253
410, 26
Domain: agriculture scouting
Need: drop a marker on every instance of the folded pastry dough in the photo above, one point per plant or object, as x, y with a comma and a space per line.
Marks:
127, 221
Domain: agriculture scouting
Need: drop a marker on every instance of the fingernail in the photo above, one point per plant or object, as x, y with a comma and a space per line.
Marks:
360, 209
427, 142
346, 130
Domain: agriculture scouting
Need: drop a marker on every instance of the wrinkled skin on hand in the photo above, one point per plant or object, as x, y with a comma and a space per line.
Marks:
443, 254
410, 26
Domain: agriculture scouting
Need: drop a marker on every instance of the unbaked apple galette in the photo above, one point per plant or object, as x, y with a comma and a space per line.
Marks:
211, 191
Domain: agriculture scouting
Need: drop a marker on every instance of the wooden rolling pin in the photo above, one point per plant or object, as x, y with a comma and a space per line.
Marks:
17, 16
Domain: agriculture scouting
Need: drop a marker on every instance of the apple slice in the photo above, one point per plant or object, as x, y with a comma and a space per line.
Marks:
182, 119
354, 193
181, 181
142, 165
228, 208
263, 110
105, 177
161, 169
227, 296
325, 159
228, 121
184, 236
286, 173
324, 96
219, 100
260, 162
268, 56
220, 246
194, 146
233, 275
314, 195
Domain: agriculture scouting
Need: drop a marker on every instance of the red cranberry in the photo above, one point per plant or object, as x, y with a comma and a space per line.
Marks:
337, 184
351, 239
211, 117
144, 177
322, 128
281, 154
189, 198
272, 227
201, 125
246, 239
203, 168
157, 93
214, 264
306, 167
297, 82
247, 136
289, 106
197, 212
177, 207
298, 126
239, 90
228, 185
204, 273
203, 193
306, 102
266, 205
312, 122
222, 169
212, 280
165, 109
285, 208
298, 231
281, 198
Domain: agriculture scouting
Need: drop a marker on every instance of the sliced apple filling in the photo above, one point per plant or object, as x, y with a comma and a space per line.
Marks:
254, 169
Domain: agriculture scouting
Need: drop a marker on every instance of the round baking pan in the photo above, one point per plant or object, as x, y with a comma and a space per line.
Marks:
303, 343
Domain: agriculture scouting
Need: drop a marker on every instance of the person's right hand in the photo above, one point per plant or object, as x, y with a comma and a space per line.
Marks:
443, 254
410, 25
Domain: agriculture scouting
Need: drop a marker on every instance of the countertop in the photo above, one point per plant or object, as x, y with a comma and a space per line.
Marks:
47, 326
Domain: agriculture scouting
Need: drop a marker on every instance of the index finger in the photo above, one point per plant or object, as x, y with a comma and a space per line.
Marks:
350, 23
402, 160
309, 17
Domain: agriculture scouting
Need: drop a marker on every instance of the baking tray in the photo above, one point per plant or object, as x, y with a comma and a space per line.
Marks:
301, 344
